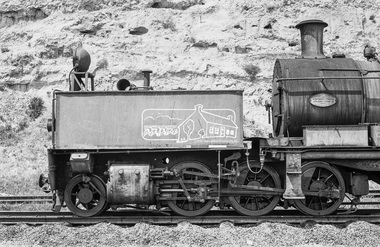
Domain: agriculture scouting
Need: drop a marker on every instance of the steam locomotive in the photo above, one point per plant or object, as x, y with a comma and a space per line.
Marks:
185, 150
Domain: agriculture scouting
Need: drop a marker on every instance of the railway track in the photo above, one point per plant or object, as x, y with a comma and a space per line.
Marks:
131, 217
25, 199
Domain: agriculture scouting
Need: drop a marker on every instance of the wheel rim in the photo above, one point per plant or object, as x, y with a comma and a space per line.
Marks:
184, 207
85, 195
318, 176
256, 205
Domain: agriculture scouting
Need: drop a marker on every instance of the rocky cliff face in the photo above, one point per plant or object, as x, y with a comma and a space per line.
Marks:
190, 44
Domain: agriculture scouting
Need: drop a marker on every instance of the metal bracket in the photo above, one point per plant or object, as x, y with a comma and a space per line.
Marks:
293, 177
185, 191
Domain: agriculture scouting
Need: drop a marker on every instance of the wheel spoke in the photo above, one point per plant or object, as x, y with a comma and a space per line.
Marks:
246, 203
183, 204
257, 203
320, 202
310, 202
96, 189
266, 198
262, 180
329, 177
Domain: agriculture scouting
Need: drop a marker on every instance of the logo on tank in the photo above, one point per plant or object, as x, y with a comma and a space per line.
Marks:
184, 125
323, 100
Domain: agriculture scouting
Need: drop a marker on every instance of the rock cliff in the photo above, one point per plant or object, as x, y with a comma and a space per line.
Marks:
190, 44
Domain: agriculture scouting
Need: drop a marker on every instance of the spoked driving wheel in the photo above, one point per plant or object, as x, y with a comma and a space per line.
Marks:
192, 182
85, 195
256, 204
324, 189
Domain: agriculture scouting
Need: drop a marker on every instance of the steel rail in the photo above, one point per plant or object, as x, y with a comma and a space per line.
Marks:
119, 218
26, 199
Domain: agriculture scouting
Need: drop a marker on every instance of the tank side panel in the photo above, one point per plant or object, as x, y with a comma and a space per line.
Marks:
170, 119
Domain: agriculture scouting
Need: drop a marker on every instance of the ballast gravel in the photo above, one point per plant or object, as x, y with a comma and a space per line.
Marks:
185, 234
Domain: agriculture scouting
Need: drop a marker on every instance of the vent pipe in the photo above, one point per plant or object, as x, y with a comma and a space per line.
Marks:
312, 38
146, 73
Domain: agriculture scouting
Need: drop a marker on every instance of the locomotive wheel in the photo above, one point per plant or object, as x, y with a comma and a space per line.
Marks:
256, 205
318, 176
185, 207
85, 195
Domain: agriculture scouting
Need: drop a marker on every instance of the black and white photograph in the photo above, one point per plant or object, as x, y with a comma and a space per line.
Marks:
190, 123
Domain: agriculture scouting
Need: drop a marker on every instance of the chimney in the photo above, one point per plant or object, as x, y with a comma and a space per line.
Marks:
312, 38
